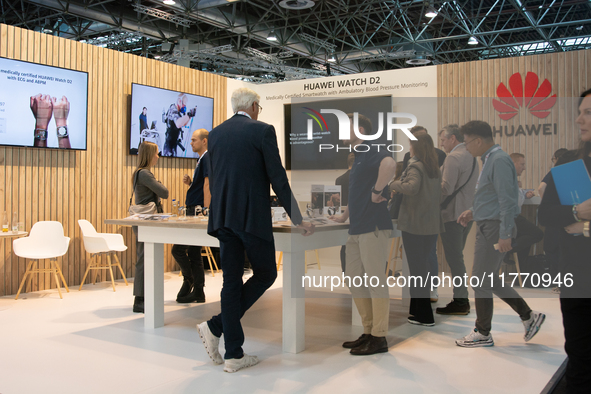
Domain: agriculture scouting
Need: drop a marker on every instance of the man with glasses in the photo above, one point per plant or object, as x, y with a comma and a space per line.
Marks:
459, 174
244, 161
494, 210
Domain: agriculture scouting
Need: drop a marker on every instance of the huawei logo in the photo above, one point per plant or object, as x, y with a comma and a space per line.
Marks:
529, 95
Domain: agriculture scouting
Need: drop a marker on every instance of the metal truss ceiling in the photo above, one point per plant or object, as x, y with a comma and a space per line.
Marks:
363, 35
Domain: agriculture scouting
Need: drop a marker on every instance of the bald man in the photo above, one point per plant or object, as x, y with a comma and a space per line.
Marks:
189, 257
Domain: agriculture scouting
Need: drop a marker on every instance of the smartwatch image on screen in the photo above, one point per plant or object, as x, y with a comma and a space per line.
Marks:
62, 131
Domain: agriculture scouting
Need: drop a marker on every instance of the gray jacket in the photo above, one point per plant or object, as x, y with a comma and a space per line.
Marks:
455, 172
147, 188
419, 211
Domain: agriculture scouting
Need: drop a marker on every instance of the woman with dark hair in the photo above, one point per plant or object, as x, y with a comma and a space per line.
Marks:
575, 249
146, 189
420, 221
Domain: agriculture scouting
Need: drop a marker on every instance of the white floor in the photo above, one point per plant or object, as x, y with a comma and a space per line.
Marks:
91, 342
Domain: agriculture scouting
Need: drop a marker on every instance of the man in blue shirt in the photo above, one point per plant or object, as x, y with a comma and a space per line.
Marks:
494, 211
189, 257
369, 236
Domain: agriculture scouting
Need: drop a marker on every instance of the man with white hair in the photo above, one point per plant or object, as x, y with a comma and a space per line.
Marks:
244, 160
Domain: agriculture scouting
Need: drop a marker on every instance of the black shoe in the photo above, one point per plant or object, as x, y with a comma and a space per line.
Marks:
197, 295
416, 322
185, 289
373, 346
358, 342
454, 308
508, 260
138, 305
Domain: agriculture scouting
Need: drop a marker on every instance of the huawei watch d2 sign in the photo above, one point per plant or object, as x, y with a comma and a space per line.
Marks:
42, 106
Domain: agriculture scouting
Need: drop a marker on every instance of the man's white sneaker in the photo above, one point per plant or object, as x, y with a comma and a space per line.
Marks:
210, 342
434, 295
475, 339
532, 326
236, 364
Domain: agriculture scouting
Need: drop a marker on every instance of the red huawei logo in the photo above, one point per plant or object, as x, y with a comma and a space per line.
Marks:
537, 99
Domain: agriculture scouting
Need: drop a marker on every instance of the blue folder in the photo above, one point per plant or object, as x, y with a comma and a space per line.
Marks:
572, 182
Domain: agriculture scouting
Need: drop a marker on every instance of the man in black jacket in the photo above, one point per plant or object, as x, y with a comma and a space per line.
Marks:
188, 257
244, 160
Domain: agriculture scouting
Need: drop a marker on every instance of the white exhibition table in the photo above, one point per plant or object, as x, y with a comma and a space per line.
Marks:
193, 231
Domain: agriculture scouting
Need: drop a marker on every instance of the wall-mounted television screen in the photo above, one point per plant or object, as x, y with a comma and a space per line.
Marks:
304, 154
42, 106
167, 118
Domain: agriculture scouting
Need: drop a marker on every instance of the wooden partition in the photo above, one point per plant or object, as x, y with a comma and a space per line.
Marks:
466, 91
94, 184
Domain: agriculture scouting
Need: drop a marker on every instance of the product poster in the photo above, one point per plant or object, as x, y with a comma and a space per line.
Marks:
168, 119
42, 106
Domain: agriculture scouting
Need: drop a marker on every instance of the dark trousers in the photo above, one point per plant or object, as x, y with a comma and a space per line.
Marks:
343, 257
189, 259
454, 240
552, 249
487, 261
418, 249
576, 318
138, 279
238, 297
528, 234
433, 263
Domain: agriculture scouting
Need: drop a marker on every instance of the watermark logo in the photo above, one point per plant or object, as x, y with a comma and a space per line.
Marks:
318, 118
535, 98
345, 124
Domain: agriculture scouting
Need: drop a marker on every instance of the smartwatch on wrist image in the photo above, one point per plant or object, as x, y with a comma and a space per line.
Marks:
40, 134
62, 131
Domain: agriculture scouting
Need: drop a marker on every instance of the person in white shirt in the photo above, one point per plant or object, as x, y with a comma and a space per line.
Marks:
528, 233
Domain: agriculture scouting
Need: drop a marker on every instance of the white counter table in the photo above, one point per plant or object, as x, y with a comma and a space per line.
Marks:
289, 240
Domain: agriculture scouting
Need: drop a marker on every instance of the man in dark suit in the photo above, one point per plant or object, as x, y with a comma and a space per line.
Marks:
244, 160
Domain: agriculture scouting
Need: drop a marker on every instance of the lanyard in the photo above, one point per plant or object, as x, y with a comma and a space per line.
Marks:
484, 165
199, 161
243, 113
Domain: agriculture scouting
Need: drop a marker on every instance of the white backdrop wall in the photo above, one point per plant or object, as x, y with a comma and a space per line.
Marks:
416, 83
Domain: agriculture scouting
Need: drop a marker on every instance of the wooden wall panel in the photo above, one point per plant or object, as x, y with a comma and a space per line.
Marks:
466, 92
467, 89
94, 184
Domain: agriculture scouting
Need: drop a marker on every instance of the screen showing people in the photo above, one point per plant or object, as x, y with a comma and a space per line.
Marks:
42, 106
168, 119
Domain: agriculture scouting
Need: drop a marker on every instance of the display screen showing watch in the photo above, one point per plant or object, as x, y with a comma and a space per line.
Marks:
62, 131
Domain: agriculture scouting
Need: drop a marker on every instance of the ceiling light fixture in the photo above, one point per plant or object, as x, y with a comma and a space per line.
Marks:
431, 12
418, 60
169, 2
296, 4
272, 36
472, 41
332, 59
47, 29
